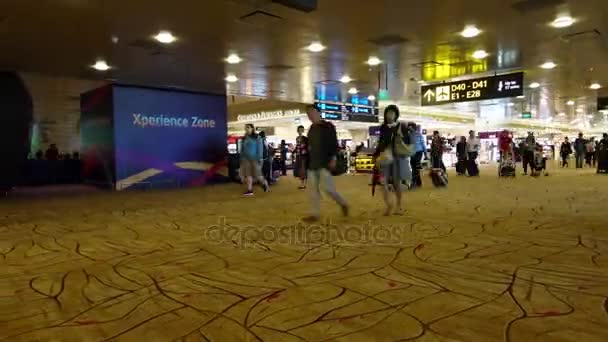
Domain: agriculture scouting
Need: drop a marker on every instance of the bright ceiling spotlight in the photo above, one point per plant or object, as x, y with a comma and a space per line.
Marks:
561, 22
534, 85
570, 103
595, 86
470, 32
371, 98
548, 65
165, 37
234, 59
521, 97
345, 79
353, 91
373, 61
480, 54
231, 78
316, 47
101, 66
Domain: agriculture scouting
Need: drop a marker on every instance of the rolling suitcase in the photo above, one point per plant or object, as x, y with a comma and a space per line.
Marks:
439, 178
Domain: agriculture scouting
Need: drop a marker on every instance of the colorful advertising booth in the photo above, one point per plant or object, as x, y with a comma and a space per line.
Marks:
135, 137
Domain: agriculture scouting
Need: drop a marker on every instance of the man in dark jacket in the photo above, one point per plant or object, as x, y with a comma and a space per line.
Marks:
528, 152
565, 151
322, 151
580, 150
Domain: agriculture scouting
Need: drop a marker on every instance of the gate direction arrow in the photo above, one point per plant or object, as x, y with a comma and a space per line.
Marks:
429, 95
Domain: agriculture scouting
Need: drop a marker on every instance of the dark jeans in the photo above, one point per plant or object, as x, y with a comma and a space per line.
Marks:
579, 160
415, 162
437, 162
472, 167
283, 166
461, 165
565, 159
528, 159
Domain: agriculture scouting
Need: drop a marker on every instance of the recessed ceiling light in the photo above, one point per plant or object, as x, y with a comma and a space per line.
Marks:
534, 85
480, 54
371, 98
231, 78
233, 59
521, 97
579, 110
548, 65
562, 22
352, 91
101, 66
316, 47
345, 79
570, 103
561, 114
373, 61
595, 86
470, 32
511, 104
165, 37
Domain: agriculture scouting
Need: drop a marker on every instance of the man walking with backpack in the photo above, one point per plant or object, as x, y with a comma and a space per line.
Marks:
322, 152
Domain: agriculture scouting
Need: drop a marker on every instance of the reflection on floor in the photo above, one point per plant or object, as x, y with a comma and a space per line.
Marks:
487, 259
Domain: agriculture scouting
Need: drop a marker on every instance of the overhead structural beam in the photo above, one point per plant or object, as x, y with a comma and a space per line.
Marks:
300, 5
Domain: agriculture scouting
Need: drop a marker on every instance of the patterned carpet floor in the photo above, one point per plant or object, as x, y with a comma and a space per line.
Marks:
486, 259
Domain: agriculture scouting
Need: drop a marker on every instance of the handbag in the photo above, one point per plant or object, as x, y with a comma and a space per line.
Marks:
401, 148
385, 158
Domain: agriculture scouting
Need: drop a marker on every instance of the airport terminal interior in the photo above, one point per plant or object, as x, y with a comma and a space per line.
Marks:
131, 130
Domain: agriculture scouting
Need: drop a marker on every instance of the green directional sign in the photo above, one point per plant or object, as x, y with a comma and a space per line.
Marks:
383, 95
526, 115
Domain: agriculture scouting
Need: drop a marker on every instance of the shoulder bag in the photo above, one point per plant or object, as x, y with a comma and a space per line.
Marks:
401, 148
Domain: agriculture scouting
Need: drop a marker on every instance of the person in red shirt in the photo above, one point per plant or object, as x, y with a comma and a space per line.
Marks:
505, 143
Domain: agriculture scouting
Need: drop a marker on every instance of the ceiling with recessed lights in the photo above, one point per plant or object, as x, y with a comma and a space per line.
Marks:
260, 48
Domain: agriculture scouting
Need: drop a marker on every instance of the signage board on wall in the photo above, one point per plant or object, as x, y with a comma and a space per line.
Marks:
347, 112
476, 89
269, 115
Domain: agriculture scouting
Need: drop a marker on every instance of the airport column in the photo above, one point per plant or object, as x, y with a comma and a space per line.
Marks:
15, 123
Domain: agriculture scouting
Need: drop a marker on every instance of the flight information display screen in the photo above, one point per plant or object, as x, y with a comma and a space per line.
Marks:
347, 112
477, 89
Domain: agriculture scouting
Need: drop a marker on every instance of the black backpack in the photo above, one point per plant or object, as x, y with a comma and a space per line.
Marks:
341, 164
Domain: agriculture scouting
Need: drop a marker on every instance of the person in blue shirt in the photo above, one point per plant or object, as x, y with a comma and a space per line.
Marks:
416, 160
252, 156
